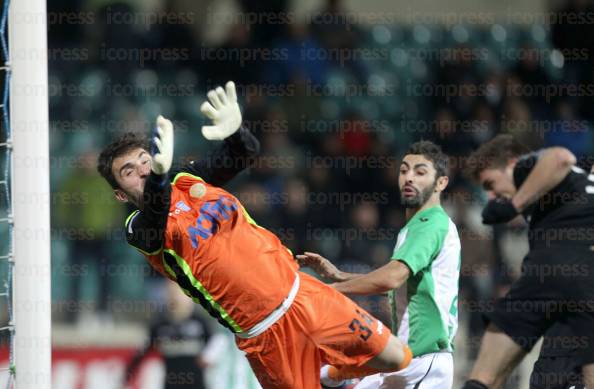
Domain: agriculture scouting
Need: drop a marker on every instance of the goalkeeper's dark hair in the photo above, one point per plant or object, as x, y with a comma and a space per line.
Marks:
495, 154
122, 145
433, 153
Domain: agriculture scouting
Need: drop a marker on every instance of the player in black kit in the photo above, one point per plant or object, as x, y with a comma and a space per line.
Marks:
557, 281
181, 337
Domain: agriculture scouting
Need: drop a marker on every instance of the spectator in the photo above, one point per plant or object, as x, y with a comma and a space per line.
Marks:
184, 340
88, 218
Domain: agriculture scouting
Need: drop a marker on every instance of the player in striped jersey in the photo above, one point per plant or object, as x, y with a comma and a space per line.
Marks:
421, 278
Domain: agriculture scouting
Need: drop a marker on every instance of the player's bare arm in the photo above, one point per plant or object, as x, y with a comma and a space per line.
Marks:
552, 167
324, 267
382, 280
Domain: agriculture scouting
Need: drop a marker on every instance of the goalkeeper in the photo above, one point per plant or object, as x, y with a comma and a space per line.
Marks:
200, 236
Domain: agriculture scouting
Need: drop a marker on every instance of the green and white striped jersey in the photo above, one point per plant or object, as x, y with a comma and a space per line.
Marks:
425, 308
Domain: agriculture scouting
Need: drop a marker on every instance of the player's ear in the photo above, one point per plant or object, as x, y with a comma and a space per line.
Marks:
120, 195
511, 162
442, 183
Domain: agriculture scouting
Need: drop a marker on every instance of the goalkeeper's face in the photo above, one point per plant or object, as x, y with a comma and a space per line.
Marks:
131, 171
418, 181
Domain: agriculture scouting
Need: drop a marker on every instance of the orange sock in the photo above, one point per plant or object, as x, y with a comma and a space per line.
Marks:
408, 356
349, 372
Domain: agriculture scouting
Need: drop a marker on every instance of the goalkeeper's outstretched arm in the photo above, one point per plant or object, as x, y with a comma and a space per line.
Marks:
240, 146
145, 227
234, 155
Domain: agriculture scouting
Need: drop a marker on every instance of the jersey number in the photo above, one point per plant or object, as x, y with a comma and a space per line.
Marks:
589, 188
357, 326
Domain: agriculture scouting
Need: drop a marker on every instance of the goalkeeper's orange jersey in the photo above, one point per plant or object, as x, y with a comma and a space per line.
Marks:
237, 270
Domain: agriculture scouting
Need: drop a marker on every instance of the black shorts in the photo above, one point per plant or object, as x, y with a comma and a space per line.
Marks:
556, 285
557, 367
556, 373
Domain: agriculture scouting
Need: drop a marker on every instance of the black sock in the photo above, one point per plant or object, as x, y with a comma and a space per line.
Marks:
474, 384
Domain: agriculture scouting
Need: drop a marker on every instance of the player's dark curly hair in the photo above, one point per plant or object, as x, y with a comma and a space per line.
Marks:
495, 154
122, 145
433, 153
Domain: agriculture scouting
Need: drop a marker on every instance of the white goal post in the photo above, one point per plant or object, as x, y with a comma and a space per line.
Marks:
30, 193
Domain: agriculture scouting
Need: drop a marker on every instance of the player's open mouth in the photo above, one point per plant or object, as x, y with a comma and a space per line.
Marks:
409, 191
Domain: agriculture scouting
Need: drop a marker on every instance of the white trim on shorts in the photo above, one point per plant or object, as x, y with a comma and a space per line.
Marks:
274, 315
429, 371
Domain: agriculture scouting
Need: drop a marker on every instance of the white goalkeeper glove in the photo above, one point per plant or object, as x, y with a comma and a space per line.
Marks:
163, 141
224, 112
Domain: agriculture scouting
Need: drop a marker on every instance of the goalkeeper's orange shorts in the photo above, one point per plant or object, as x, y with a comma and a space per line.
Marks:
322, 326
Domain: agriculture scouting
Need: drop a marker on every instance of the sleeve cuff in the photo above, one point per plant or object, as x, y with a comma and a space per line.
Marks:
237, 136
159, 180
412, 270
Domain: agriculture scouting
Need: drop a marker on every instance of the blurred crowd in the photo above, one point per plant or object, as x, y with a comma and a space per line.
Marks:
334, 104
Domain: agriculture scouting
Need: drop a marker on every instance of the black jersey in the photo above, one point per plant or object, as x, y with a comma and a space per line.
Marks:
179, 343
563, 216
